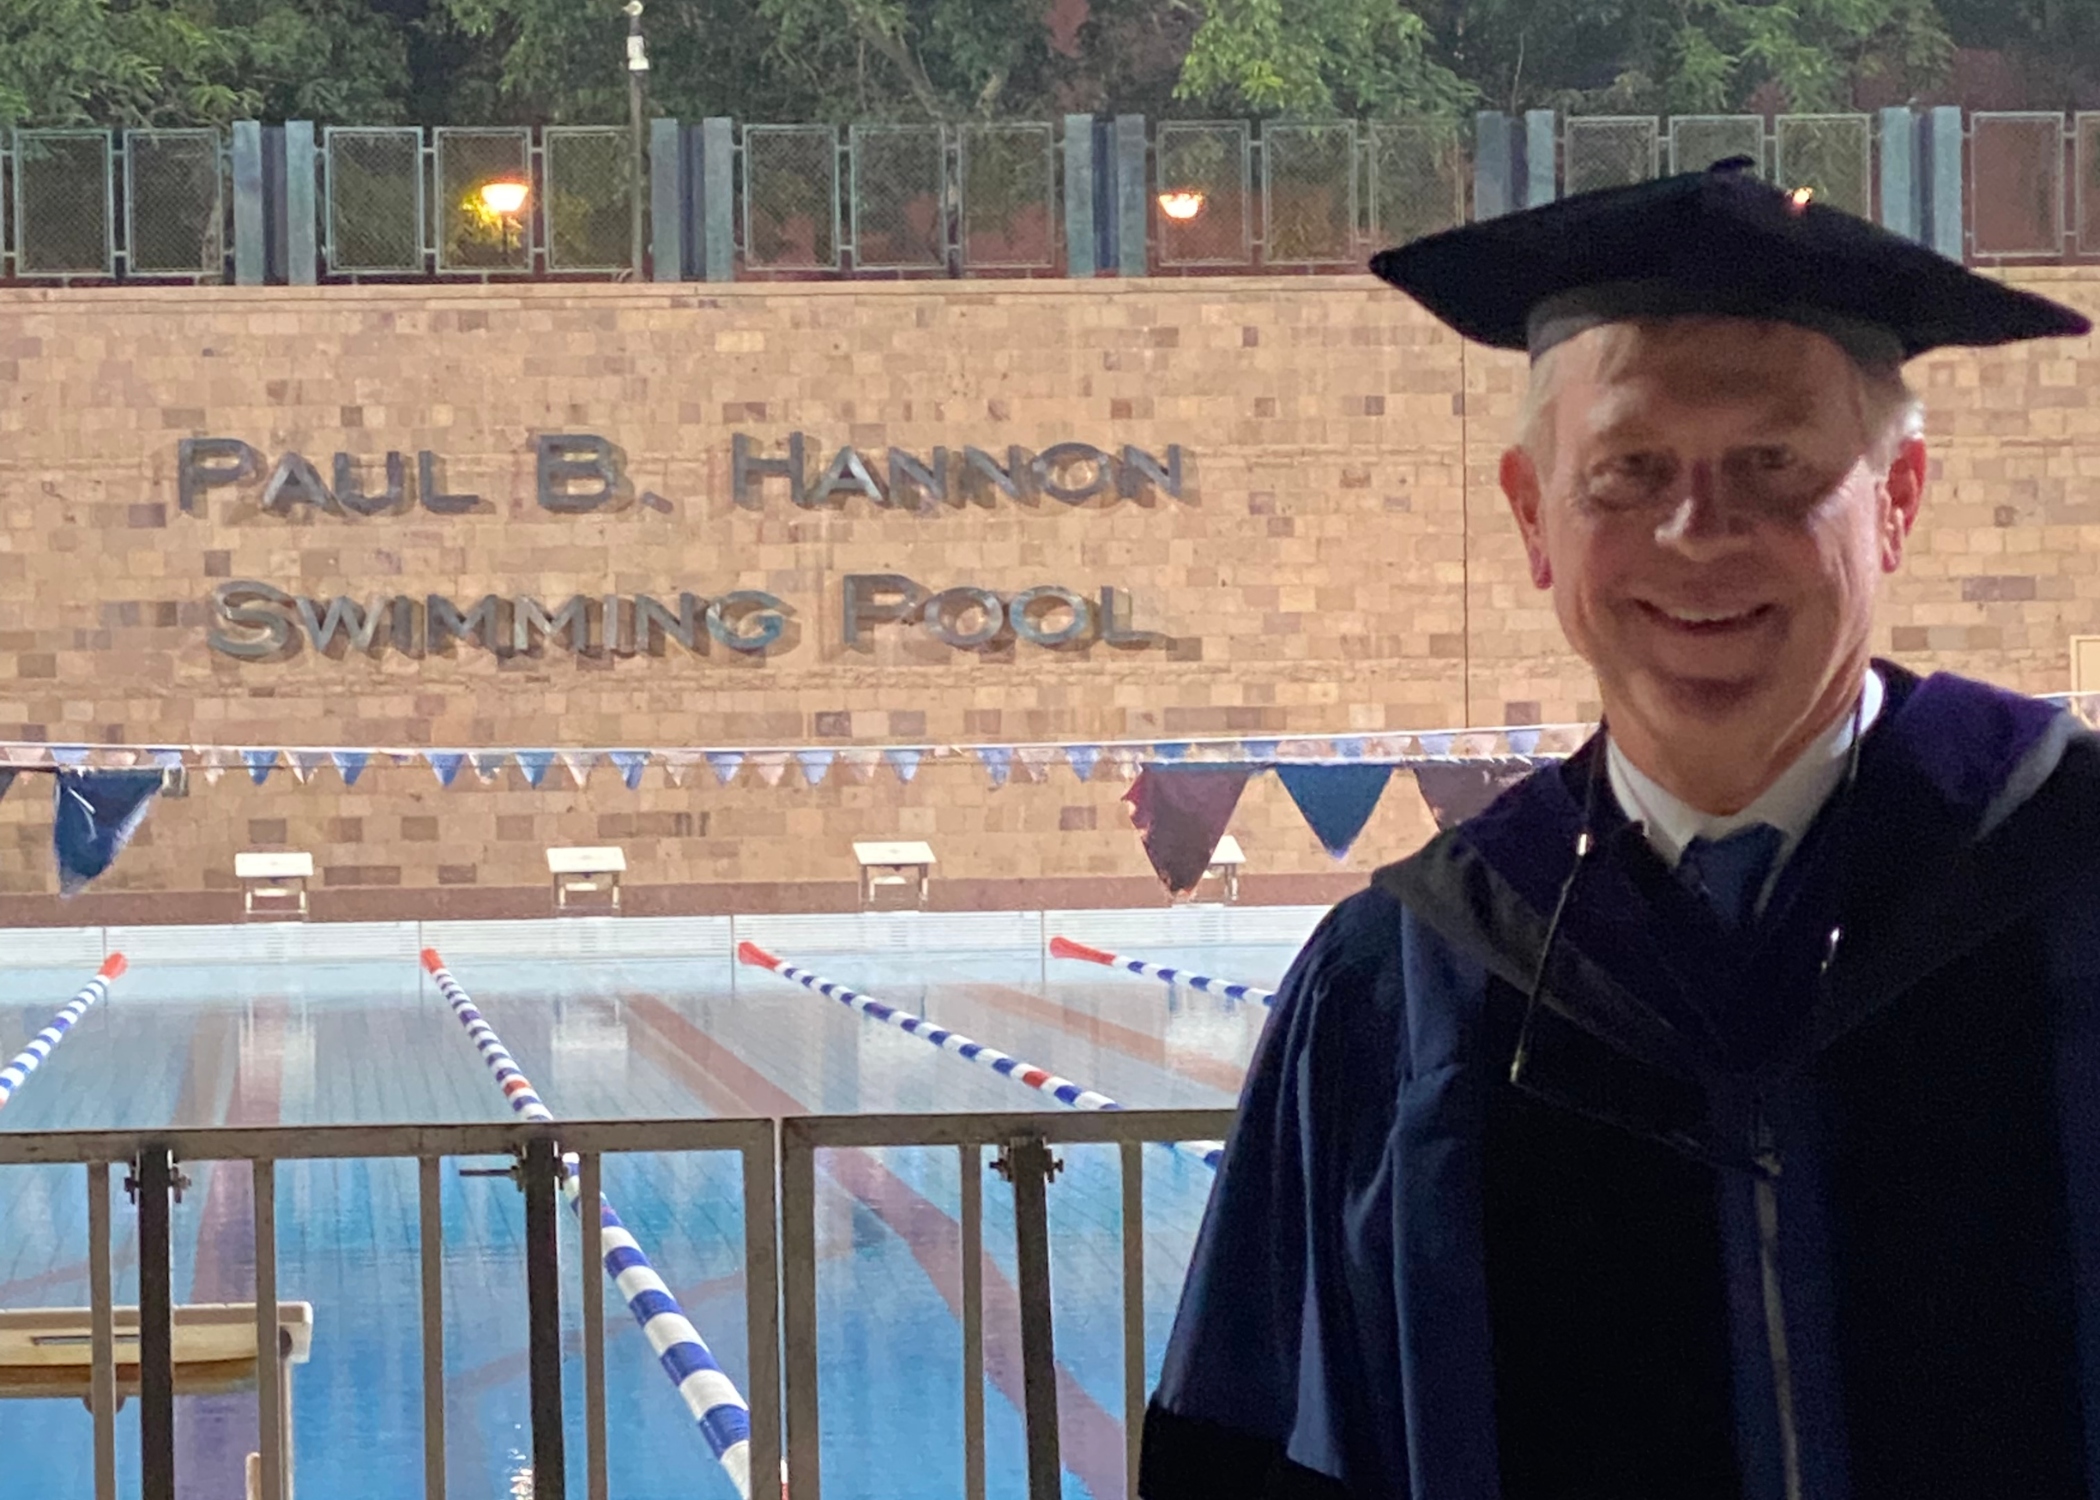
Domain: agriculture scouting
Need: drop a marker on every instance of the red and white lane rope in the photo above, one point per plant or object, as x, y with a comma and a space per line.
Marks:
31, 1057
1064, 947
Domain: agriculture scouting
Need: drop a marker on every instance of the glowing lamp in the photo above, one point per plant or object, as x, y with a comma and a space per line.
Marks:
503, 198
1181, 206
1800, 196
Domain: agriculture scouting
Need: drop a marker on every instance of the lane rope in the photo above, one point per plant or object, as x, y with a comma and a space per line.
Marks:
31, 1057
1064, 947
709, 1394
1042, 1080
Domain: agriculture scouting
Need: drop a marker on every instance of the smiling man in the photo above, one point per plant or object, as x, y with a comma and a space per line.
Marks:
1718, 1114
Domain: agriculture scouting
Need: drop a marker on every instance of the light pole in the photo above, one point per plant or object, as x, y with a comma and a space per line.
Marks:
637, 71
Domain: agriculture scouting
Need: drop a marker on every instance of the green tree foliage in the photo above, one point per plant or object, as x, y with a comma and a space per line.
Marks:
1320, 57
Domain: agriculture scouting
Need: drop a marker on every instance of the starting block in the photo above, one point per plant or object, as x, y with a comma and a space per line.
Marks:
903, 864
275, 878
583, 872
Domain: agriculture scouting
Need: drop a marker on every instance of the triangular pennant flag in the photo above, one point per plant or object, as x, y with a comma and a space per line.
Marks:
1349, 747
1034, 761
1435, 744
95, 815
7, 778
69, 755
534, 764
124, 759
259, 763
725, 764
306, 762
402, 757
1083, 758
29, 755
579, 763
1336, 800
814, 764
1259, 750
998, 760
1172, 750
678, 762
446, 763
1456, 793
487, 763
1128, 761
168, 759
771, 765
1523, 741
350, 764
212, 775
1181, 812
631, 764
860, 762
904, 760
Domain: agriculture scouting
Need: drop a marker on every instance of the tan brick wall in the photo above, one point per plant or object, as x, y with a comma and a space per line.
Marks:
1340, 561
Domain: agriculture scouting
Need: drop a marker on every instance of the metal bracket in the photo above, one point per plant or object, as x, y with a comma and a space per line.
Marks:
131, 1182
1003, 1163
515, 1171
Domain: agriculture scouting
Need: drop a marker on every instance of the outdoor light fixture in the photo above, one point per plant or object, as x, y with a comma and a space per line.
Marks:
1800, 197
503, 198
1181, 206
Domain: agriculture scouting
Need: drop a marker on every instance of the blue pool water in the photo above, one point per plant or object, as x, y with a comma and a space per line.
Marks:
192, 1043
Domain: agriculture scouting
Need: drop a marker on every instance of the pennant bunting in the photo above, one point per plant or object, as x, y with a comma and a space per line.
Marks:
1434, 744
168, 759
631, 764
1523, 741
7, 778
123, 759
69, 755
1260, 750
1128, 760
860, 762
815, 763
579, 764
212, 775
1180, 813
1171, 750
350, 764
260, 763
28, 755
725, 764
402, 757
678, 762
904, 760
1083, 759
1034, 761
94, 817
535, 764
306, 762
1350, 747
1337, 801
998, 761
446, 764
771, 765
487, 763
1456, 793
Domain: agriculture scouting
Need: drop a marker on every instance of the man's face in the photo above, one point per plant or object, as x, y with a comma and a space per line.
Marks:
1713, 528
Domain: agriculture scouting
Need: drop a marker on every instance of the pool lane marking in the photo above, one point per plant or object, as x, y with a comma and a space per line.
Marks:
1142, 1046
1042, 1080
1091, 1439
30, 1058
1064, 947
716, 1405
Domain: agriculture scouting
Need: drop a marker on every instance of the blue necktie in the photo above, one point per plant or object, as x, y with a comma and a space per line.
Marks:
1730, 872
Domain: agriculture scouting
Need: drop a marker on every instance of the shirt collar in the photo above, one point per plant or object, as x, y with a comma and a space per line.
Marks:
1789, 804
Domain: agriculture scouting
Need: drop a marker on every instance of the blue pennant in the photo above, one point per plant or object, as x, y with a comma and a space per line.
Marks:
904, 760
1523, 741
350, 764
725, 764
534, 764
1261, 750
260, 763
69, 755
96, 814
1337, 801
1171, 750
167, 759
446, 763
1436, 744
814, 764
999, 760
631, 764
1083, 758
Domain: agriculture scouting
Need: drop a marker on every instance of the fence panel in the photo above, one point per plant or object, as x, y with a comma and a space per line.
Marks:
64, 203
1203, 181
475, 234
2087, 128
375, 209
1610, 151
1009, 197
1831, 154
791, 197
1417, 179
1308, 194
1698, 141
2016, 184
174, 203
588, 209
899, 197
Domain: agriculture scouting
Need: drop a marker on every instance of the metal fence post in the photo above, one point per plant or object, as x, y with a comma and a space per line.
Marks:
1133, 200
543, 1317
718, 180
1945, 224
1027, 1162
1541, 152
1900, 206
153, 1181
1493, 170
250, 247
301, 256
1079, 195
666, 201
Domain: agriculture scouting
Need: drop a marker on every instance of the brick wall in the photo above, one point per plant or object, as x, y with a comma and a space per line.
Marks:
1339, 560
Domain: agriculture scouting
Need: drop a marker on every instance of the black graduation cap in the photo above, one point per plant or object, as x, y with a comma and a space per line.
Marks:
1718, 242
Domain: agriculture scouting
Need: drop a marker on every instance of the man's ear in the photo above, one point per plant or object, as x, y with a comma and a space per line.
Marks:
1905, 485
1521, 487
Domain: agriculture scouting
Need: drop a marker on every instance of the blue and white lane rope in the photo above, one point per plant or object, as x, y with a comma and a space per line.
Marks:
31, 1057
1042, 1080
711, 1396
1063, 947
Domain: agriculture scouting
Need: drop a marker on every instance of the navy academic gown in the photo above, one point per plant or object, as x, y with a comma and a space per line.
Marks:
1756, 1226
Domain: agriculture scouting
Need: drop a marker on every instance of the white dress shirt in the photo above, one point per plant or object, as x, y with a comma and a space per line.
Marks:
1789, 804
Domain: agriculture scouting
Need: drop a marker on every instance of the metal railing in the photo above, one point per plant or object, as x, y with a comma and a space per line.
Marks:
780, 1272
725, 200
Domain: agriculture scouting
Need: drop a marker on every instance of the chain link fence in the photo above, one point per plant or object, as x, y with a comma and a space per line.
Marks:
1309, 194
374, 202
1009, 197
2016, 185
589, 208
1416, 175
64, 208
483, 223
174, 203
899, 197
1202, 183
1604, 151
1698, 141
1832, 155
791, 197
